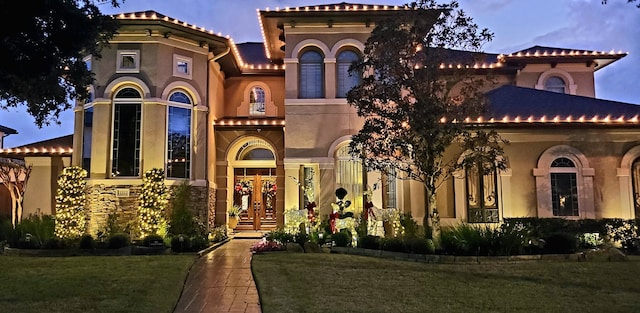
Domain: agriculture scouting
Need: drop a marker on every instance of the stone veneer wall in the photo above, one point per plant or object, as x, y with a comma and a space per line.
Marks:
102, 201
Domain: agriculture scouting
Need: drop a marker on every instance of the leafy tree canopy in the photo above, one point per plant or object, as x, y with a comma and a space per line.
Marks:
628, 1
42, 45
414, 106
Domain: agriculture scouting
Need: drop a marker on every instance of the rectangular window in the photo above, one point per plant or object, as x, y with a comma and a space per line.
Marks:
482, 204
126, 140
182, 66
311, 80
307, 187
179, 142
564, 194
87, 139
128, 61
389, 183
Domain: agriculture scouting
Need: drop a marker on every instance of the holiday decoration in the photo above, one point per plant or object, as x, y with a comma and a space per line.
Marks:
153, 202
70, 200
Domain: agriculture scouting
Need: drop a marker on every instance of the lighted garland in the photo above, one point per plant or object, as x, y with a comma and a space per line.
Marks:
70, 214
153, 202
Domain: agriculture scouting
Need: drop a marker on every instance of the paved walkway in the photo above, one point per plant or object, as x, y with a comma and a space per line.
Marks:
221, 281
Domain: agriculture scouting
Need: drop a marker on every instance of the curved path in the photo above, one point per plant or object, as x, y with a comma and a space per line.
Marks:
221, 281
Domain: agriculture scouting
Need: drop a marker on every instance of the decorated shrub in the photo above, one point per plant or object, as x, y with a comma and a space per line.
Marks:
153, 202
70, 200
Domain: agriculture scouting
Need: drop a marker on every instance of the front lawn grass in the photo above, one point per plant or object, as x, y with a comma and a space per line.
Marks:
92, 284
347, 283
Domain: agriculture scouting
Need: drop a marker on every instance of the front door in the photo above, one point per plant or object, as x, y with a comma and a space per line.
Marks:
255, 194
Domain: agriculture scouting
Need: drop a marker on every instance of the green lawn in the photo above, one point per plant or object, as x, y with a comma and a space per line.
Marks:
92, 284
345, 283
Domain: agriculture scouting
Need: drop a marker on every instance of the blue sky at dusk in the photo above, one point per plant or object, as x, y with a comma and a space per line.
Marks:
517, 24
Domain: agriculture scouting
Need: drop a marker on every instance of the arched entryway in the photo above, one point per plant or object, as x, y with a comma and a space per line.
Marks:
252, 175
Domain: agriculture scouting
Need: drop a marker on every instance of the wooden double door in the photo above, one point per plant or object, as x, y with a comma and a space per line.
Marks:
255, 194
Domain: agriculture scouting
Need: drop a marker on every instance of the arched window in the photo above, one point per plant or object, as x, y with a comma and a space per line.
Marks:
635, 180
482, 195
179, 135
344, 79
555, 84
564, 187
348, 172
256, 101
127, 113
311, 74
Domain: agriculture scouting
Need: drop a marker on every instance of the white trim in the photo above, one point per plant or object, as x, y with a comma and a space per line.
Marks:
625, 180
139, 101
136, 59
310, 43
191, 131
570, 85
119, 82
584, 181
180, 58
269, 107
349, 42
184, 86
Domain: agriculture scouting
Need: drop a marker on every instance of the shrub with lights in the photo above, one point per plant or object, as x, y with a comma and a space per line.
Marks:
153, 203
70, 200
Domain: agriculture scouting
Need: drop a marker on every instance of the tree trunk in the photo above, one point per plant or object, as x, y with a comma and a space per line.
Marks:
432, 215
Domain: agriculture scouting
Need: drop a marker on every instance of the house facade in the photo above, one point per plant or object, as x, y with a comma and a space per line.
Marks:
266, 126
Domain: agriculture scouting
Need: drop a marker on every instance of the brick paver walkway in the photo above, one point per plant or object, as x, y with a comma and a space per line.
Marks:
221, 281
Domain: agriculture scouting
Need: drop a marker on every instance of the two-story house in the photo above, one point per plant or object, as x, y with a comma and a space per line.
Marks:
250, 124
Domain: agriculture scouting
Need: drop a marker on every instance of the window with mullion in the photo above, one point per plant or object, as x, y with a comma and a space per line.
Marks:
126, 139
564, 194
179, 142
311, 78
482, 202
87, 133
346, 80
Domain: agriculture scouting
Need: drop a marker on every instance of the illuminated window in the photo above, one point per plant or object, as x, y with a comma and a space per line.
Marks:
311, 75
127, 113
179, 135
348, 172
564, 188
554, 84
256, 101
128, 61
344, 79
482, 202
87, 133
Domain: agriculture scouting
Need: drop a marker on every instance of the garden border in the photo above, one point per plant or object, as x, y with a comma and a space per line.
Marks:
439, 258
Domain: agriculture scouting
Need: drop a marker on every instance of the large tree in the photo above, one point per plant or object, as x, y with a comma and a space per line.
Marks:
42, 45
416, 106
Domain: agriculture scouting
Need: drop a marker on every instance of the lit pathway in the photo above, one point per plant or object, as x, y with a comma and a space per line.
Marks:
221, 281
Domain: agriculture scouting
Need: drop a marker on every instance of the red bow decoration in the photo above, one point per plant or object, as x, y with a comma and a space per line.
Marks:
369, 207
311, 214
332, 221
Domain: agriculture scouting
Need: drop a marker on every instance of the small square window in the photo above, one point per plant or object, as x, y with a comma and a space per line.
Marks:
181, 66
128, 61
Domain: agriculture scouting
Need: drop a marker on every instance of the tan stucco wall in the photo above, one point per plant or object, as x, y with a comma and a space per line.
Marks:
39, 196
236, 95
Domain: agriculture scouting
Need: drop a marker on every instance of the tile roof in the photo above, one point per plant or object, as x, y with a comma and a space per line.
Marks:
7, 130
60, 146
511, 101
253, 53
